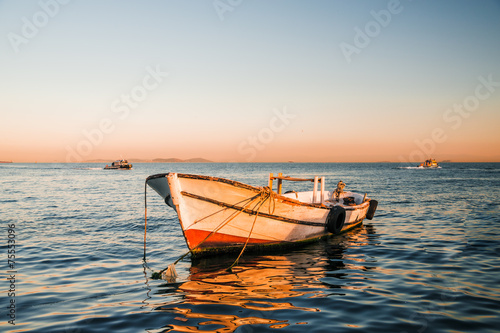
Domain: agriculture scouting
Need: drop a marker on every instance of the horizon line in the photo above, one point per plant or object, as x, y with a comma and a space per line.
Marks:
237, 162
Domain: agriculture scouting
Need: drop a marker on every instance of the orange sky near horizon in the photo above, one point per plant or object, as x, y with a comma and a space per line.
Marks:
265, 82
278, 135
460, 151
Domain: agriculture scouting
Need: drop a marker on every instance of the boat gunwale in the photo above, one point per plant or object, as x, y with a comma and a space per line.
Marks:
158, 175
259, 189
256, 189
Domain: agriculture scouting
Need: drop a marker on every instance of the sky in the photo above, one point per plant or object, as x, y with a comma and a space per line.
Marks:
250, 81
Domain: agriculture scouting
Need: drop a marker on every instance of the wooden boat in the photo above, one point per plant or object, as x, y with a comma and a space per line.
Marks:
119, 164
221, 215
430, 163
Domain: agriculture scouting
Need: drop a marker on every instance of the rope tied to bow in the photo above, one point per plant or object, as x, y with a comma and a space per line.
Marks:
265, 194
258, 200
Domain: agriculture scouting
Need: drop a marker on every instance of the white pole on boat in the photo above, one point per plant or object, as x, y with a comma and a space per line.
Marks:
322, 189
315, 190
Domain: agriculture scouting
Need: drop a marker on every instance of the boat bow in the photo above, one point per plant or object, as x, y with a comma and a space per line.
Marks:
159, 183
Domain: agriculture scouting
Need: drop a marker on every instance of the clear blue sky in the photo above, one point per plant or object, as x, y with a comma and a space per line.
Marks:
249, 80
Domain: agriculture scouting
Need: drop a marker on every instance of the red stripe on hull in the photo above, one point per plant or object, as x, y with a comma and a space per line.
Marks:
195, 237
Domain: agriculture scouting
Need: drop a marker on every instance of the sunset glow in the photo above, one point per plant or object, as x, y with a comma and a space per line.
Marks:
255, 81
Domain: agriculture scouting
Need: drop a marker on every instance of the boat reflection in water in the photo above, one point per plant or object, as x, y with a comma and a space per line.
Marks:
262, 290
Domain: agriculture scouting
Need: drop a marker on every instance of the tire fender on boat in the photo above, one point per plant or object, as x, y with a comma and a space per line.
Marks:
372, 209
335, 219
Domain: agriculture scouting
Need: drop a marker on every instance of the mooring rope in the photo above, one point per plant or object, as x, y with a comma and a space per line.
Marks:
226, 208
145, 217
170, 269
264, 194
261, 202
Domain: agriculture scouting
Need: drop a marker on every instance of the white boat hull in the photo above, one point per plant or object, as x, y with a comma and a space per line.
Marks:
217, 214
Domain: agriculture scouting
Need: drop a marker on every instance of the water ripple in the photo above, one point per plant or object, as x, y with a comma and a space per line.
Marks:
428, 262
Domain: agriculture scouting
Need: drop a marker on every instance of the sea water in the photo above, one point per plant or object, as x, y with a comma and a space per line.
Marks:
73, 249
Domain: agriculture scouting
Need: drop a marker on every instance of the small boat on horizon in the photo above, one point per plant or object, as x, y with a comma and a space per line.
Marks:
119, 165
430, 163
219, 215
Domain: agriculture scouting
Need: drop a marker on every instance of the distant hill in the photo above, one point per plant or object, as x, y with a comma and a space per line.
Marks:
167, 160
198, 160
155, 160
178, 160
99, 161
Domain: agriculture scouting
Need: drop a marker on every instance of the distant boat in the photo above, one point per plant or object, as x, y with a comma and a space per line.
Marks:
220, 215
119, 164
431, 163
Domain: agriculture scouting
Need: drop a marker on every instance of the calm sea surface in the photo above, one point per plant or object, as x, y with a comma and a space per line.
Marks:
428, 261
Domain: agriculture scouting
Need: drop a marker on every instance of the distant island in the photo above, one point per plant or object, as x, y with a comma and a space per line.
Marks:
178, 160
5, 161
155, 160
